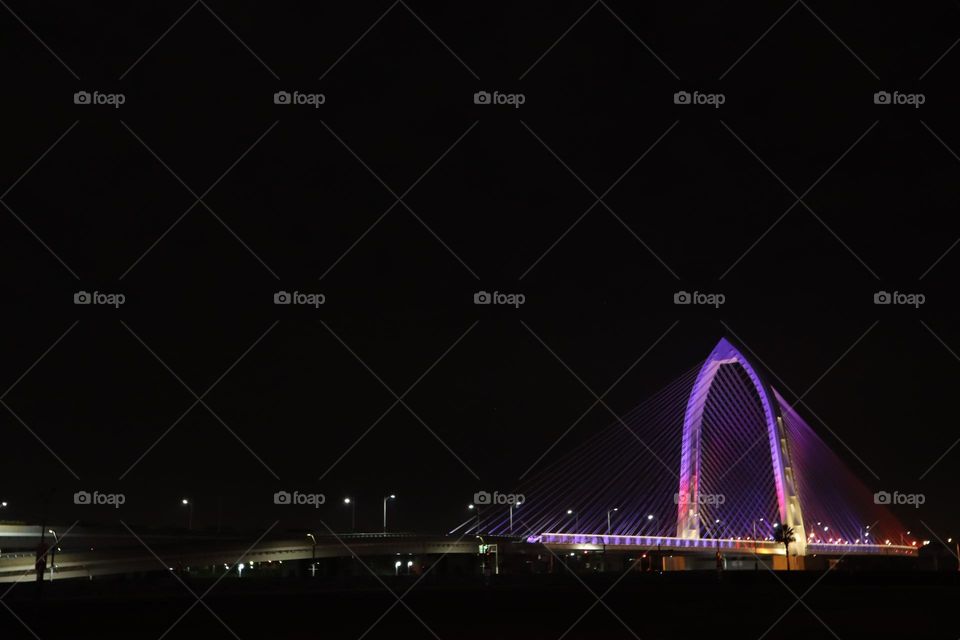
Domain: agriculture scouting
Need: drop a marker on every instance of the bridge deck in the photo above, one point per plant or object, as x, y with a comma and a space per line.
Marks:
705, 545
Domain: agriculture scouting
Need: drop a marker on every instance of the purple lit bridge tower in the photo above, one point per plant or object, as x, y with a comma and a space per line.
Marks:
789, 508
717, 460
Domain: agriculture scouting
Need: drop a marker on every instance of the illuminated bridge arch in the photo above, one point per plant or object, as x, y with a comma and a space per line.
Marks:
688, 516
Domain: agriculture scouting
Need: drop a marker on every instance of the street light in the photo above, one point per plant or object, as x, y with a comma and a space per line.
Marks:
353, 513
313, 557
474, 507
576, 516
608, 518
512, 505
385, 498
53, 551
187, 503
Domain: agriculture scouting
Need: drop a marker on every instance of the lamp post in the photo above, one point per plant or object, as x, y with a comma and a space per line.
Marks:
475, 509
512, 505
53, 550
385, 498
609, 511
189, 504
576, 518
352, 503
313, 557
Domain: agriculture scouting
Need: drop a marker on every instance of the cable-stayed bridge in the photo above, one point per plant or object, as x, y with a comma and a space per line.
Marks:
716, 460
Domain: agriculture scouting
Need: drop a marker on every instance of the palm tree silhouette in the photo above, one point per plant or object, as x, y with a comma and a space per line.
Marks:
784, 535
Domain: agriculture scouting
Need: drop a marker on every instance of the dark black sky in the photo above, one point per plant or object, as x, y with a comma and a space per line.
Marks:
285, 214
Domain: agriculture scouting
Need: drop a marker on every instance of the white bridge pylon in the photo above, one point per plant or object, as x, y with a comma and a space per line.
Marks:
688, 524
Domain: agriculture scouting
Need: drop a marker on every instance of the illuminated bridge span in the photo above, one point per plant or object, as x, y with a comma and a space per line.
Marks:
716, 460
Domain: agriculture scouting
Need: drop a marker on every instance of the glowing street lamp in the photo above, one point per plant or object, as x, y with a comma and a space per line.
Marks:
385, 498
608, 517
313, 556
352, 503
576, 517
189, 505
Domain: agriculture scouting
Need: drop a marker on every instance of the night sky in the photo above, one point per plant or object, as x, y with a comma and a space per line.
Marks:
493, 198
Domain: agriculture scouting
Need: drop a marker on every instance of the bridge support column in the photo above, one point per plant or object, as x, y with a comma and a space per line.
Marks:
688, 495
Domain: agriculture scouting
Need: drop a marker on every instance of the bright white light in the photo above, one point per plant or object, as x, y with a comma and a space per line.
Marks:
650, 517
346, 501
184, 501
